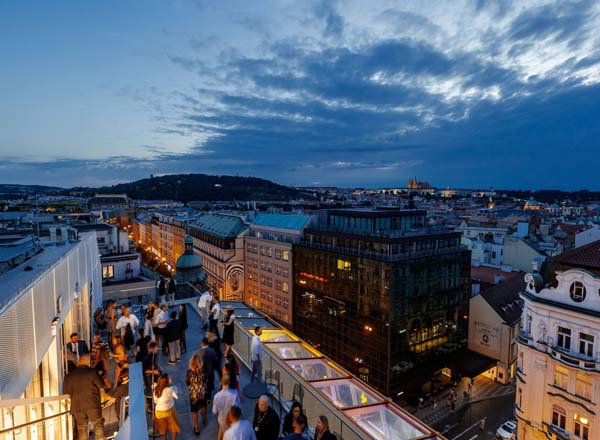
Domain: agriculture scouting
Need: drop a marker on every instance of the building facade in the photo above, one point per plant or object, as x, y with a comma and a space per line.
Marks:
558, 386
268, 263
380, 292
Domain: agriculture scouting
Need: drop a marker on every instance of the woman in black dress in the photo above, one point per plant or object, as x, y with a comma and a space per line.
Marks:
197, 382
228, 329
184, 326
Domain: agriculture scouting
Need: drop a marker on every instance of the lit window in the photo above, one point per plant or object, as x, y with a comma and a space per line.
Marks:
581, 430
343, 265
561, 377
285, 287
108, 272
577, 291
583, 386
285, 255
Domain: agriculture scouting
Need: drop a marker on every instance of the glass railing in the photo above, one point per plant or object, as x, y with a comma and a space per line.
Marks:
294, 370
133, 419
36, 418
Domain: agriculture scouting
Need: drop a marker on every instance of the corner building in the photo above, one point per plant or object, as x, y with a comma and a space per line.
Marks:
558, 365
380, 292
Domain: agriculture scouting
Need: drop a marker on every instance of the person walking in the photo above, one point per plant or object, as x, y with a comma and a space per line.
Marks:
184, 326
239, 429
172, 336
127, 325
322, 430
228, 328
162, 290
203, 305
196, 381
266, 421
256, 356
165, 415
84, 387
171, 290
209, 362
222, 403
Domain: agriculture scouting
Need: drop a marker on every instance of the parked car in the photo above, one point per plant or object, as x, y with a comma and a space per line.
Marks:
507, 430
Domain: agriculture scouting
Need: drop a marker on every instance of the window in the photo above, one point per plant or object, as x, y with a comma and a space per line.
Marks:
108, 272
586, 344
561, 377
564, 338
577, 291
285, 255
344, 265
581, 430
520, 397
559, 416
285, 287
278, 254
529, 323
583, 386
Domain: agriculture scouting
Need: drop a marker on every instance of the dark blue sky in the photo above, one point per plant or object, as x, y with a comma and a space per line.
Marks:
354, 93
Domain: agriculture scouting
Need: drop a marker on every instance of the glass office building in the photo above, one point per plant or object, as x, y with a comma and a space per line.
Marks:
381, 292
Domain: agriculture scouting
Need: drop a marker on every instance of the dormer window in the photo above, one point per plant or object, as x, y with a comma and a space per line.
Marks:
577, 291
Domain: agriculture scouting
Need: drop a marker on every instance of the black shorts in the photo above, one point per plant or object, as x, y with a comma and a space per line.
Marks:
195, 406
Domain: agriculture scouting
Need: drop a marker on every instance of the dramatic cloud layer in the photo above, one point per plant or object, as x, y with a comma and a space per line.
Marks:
474, 93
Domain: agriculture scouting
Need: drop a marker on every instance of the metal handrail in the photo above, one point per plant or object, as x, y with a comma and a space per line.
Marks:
33, 422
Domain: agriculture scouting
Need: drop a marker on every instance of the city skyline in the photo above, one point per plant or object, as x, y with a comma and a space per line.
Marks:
321, 93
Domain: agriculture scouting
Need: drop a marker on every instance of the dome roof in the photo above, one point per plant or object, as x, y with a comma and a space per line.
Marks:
189, 261
188, 240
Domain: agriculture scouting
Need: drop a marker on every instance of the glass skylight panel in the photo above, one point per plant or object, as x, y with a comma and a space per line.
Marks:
250, 323
317, 369
382, 423
269, 335
293, 350
346, 393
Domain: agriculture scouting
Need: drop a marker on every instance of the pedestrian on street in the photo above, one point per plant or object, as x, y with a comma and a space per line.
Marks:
84, 387
172, 336
239, 429
196, 381
256, 356
266, 421
222, 403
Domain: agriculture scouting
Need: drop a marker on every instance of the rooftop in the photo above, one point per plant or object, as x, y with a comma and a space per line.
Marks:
293, 222
224, 226
587, 257
504, 298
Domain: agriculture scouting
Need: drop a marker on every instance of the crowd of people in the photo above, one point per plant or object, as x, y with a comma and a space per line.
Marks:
90, 387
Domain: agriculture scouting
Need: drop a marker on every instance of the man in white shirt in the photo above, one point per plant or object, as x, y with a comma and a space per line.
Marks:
239, 429
256, 355
161, 324
215, 311
127, 319
222, 403
203, 303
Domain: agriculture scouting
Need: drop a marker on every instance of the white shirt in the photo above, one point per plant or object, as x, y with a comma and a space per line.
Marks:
166, 401
215, 311
203, 301
240, 430
161, 319
131, 320
256, 348
223, 401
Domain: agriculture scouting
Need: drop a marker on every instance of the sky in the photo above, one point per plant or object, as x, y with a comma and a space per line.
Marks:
473, 94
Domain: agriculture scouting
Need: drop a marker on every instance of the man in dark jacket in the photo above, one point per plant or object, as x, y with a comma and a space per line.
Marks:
83, 385
266, 421
172, 336
209, 362
75, 349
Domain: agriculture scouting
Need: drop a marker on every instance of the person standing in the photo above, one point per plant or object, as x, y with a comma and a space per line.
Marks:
288, 420
111, 320
148, 320
196, 381
215, 311
172, 336
165, 415
228, 328
150, 367
322, 430
209, 362
127, 325
162, 290
266, 421
171, 289
99, 357
83, 385
121, 389
184, 326
99, 320
161, 323
239, 429
222, 403
215, 343
75, 349
256, 356
232, 369
141, 346
203, 305
299, 426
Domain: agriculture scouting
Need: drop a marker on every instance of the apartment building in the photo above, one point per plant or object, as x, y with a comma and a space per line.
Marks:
268, 263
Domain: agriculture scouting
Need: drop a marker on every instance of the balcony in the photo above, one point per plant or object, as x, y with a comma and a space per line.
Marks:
573, 359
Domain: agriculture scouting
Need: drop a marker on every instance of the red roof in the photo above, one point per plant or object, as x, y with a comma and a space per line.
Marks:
488, 274
587, 256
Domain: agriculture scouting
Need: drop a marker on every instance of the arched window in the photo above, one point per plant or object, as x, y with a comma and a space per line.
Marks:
577, 291
559, 416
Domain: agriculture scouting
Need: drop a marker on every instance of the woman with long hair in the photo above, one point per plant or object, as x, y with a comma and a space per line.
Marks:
165, 415
196, 381
111, 320
288, 421
232, 368
228, 328
99, 320
322, 430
